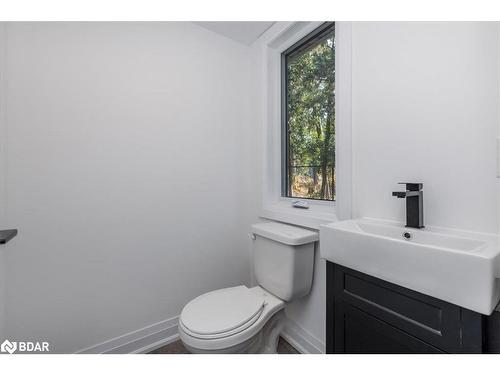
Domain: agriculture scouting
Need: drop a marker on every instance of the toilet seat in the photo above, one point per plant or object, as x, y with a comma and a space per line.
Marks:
222, 312
226, 317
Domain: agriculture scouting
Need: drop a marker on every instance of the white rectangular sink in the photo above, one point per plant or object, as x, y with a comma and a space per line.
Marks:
456, 266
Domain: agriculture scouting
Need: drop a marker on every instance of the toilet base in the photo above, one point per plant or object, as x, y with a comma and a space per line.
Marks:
264, 342
271, 333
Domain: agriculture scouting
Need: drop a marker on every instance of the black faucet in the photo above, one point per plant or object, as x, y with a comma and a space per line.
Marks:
414, 203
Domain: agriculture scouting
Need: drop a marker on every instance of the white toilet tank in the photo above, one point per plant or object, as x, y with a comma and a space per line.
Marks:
284, 259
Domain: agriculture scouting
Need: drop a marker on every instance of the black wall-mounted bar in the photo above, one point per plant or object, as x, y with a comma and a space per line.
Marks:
7, 235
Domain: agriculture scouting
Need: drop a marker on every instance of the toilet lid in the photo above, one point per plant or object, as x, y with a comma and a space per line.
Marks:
222, 310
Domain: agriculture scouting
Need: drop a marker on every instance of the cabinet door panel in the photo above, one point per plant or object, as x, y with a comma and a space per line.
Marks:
361, 333
437, 323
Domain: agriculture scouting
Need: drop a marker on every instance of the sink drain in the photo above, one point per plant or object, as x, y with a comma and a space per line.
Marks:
407, 236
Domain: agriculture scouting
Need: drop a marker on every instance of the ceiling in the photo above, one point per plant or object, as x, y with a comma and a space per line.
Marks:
244, 32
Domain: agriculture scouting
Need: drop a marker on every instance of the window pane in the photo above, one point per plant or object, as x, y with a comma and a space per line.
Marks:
307, 182
310, 119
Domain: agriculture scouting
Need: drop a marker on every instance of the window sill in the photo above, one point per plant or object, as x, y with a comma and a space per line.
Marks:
312, 217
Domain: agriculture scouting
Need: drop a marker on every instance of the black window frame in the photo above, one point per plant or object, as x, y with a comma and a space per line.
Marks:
307, 42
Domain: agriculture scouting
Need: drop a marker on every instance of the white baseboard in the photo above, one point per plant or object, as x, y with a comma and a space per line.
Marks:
301, 339
140, 341
162, 333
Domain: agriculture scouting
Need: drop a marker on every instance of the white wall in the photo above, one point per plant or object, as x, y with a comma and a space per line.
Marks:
124, 176
424, 108
2, 180
307, 315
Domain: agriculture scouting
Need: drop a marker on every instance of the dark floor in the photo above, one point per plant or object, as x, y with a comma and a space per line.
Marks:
176, 347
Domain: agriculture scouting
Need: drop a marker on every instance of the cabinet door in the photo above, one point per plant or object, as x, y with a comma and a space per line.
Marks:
398, 311
358, 332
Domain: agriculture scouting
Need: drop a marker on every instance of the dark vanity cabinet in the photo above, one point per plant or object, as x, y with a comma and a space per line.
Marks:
368, 315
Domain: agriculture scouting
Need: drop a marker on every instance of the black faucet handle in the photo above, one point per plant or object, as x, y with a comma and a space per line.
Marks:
412, 186
399, 194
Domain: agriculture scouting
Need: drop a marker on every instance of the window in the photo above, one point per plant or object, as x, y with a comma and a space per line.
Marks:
308, 116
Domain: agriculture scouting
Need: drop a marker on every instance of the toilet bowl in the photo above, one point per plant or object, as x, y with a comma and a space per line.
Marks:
229, 320
249, 320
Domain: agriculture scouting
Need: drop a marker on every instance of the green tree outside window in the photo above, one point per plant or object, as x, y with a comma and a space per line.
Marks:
310, 121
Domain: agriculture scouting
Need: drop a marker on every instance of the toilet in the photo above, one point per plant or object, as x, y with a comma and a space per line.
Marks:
249, 320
